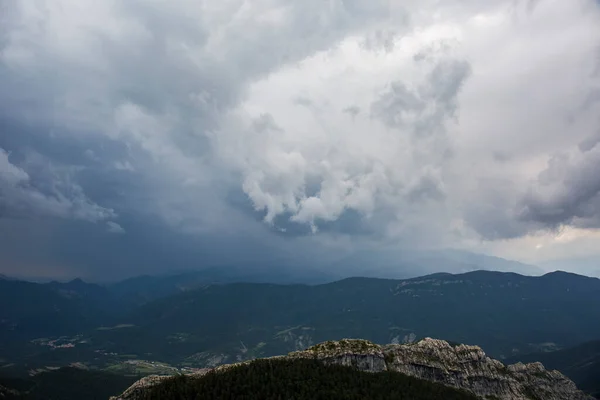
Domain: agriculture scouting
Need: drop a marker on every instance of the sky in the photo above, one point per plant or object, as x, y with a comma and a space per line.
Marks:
152, 136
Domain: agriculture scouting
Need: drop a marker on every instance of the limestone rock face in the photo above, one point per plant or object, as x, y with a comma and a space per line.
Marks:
461, 366
135, 390
467, 367
360, 354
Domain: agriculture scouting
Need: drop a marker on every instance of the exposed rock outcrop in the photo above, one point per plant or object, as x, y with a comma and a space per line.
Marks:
461, 366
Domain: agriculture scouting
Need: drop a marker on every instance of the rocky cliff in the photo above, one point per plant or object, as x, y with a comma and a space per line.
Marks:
461, 366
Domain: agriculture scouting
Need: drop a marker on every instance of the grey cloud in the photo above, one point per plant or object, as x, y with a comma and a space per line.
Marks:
265, 123
381, 40
444, 84
423, 109
500, 156
187, 67
589, 143
303, 101
567, 192
445, 81
490, 211
428, 187
49, 191
113, 227
140, 110
395, 106
123, 166
353, 223
353, 111
91, 155
69, 155
213, 59
431, 53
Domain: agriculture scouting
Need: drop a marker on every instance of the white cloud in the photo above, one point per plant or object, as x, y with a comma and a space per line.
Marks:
368, 163
525, 76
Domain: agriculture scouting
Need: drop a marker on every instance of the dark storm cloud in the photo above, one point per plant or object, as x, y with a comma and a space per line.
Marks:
589, 143
148, 136
349, 222
69, 248
38, 187
489, 214
568, 191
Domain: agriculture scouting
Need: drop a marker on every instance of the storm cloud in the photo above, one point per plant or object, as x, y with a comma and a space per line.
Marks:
147, 136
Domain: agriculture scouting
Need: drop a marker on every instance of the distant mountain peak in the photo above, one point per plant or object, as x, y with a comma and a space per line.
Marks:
6, 278
78, 282
563, 273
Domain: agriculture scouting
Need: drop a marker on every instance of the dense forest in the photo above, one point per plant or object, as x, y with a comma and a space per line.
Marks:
298, 380
66, 384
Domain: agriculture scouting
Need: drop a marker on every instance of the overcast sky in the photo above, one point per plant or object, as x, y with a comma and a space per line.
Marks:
147, 135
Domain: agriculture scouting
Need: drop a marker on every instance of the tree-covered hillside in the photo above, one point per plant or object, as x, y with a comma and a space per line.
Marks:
300, 379
500, 312
66, 384
224, 323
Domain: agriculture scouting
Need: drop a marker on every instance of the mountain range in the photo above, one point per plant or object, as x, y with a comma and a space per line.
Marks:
503, 312
178, 323
78, 305
391, 263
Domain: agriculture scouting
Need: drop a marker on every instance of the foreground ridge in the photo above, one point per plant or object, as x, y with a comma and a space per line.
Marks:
459, 366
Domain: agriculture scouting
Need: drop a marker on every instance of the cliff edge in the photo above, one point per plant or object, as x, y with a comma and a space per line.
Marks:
459, 366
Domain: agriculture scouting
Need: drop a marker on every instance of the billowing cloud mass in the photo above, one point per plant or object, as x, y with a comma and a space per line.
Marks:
275, 126
51, 192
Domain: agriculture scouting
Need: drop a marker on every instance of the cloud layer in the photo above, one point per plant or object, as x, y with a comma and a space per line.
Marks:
279, 126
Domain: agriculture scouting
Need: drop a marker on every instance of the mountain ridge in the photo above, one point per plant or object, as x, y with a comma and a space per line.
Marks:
460, 366
518, 311
505, 313
580, 363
